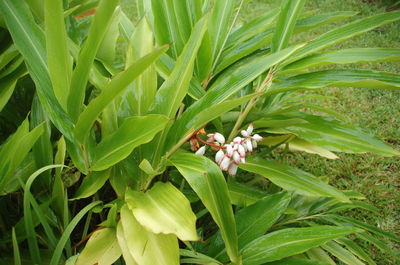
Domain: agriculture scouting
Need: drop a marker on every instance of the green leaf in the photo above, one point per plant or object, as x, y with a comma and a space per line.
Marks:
146, 247
241, 194
356, 249
29, 40
337, 136
339, 78
141, 93
345, 56
318, 254
342, 254
289, 242
292, 179
129, 260
8, 83
285, 24
80, 75
113, 89
298, 144
58, 58
133, 132
254, 220
206, 179
345, 32
101, 248
296, 261
198, 258
164, 209
91, 184
317, 20
174, 89
226, 86
219, 24
107, 49
17, 256
55, 259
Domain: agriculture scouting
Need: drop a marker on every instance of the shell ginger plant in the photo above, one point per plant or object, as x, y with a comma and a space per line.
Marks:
100, 170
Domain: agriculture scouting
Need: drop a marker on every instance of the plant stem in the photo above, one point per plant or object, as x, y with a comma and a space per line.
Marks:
262, 88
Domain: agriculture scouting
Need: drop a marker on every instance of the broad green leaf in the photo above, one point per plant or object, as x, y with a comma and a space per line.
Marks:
58, 58
55, 259
318, 254
206, 179
244, 195
298, 144
296, 261
371, 228
342, 254
345, 32
292, 179
29, 39
253, 221
146, 247
142, 91
80, 75
285, 24
91, 184
197, 258
220, 24
290, 241
317, 20
102, 248
164, 209
174, 89
339, 78
345, 56
355, 249
107, 49
113, 89
227, 85
252, 28
129, 260
133, 132
7, 55
8, 83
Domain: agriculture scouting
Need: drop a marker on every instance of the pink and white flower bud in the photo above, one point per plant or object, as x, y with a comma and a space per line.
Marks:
225, 163
245, 146
229, 150
242, 160
210, 138
249, 145
250, 129
257, 137
232, 169
237, 140
244, 133
236, 158
219, 156
219, 138
254, 143
242, 151
201, 151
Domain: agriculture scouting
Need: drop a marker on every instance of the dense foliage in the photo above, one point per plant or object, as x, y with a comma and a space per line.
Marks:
104, 156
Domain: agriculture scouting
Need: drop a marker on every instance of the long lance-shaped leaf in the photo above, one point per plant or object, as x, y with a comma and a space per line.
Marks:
253, 221
58, 58
229, 84
241, 49
286, 23
29, 40
174, 89
346, 56
342, 254
8, 83
219, 24
133, 132
80, 74
113, 89
339, 78
292, 179
291, 241
345, 32
206, 179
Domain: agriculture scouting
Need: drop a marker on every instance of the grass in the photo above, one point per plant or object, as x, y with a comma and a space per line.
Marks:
377, 112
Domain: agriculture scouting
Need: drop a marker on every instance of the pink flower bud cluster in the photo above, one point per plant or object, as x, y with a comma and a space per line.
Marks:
229, 156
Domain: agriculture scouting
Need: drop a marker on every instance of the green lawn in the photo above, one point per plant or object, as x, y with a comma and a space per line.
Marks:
378, 112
